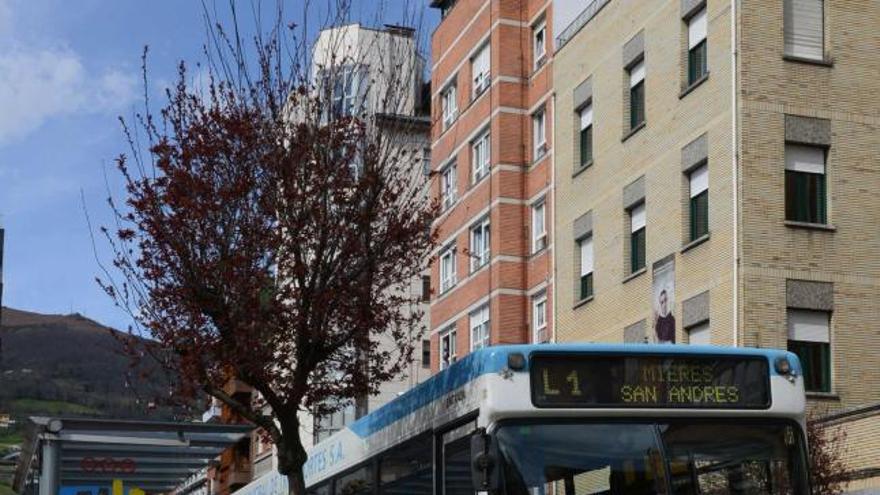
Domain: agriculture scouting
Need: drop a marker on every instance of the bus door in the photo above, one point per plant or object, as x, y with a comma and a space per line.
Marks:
455, 457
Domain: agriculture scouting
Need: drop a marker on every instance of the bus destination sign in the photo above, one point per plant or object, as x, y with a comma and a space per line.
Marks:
650, 381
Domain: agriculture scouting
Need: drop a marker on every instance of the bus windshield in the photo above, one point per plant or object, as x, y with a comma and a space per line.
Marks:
641, 458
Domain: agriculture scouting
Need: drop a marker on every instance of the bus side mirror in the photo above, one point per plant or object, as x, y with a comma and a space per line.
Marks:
485, 471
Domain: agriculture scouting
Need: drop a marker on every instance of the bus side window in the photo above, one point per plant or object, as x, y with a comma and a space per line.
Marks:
320, 490
357, 482
408, 468
457, 460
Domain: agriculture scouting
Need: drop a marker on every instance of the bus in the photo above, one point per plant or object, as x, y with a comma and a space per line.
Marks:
573, 419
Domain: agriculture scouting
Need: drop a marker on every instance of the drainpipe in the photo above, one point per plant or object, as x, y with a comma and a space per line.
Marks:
734, 111
553, 204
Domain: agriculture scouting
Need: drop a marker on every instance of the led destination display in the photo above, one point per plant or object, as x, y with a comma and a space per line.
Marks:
650, 381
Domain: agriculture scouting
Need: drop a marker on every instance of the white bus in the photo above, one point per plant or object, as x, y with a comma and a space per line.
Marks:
582, 419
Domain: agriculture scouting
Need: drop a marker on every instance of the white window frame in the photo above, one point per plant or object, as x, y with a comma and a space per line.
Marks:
539, 44
478, 322
480, 244
539, 318
481, 152
449, 185
449, 98
448, 339
448, 269
539, 235
539, 134
481, 69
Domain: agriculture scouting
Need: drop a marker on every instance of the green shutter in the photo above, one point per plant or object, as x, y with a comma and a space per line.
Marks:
697, 66
699, 215
637, 105
637, 250
805, 197
586, 145
586, 285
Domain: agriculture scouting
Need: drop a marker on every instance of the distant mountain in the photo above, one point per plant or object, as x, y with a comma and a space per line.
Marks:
69, 364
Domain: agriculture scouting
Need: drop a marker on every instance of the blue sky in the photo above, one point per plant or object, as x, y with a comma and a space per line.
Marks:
68, 68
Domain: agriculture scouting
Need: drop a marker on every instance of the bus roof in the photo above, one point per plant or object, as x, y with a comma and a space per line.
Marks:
493, 359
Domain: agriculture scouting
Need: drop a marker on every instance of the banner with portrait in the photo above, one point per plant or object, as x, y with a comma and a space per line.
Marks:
663, 302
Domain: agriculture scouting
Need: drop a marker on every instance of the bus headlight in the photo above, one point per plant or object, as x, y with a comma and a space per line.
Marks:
516, 361
783, 366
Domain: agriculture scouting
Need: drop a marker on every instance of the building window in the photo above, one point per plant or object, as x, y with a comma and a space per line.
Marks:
805, 183
805, 29
480, 69
539, 228
539, 138
808, 337
479, 245
346, 87
637, 238
698, 181
585, 247
539, 318
697, 46
450, 105
699, 334
586, 136
447, 269
448, 185
327, 425
539, 44
447, 348
480, 150
426, 354
426, 162
637, 95
426, 288
479, 323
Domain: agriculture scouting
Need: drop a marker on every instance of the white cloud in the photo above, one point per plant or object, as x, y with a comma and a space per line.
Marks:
39, 83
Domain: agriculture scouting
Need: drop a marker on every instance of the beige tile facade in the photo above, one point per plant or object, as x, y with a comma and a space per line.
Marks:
654, 152
752, 253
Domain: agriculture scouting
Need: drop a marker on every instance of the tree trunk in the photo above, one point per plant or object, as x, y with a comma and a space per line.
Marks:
292, 455
296, 483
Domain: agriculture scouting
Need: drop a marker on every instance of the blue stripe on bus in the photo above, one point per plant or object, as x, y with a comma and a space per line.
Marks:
494, 359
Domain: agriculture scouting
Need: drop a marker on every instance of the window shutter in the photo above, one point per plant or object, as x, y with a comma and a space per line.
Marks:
586, 117
637, 217
808, 326
637, 74
804, 28
586, 256
699, 180
700, 334
697, 27
800, 158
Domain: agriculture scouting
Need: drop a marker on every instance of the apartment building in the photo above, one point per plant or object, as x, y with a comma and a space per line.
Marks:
378, 73
715, 169
491, 156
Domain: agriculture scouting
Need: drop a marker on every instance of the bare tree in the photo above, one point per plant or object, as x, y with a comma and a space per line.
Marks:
268, 232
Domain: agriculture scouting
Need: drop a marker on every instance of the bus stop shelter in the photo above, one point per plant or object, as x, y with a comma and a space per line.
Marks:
76, 456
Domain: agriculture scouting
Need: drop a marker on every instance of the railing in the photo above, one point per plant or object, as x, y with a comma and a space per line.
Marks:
580, 21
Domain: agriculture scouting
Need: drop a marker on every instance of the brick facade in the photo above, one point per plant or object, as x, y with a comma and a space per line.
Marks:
516, 181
